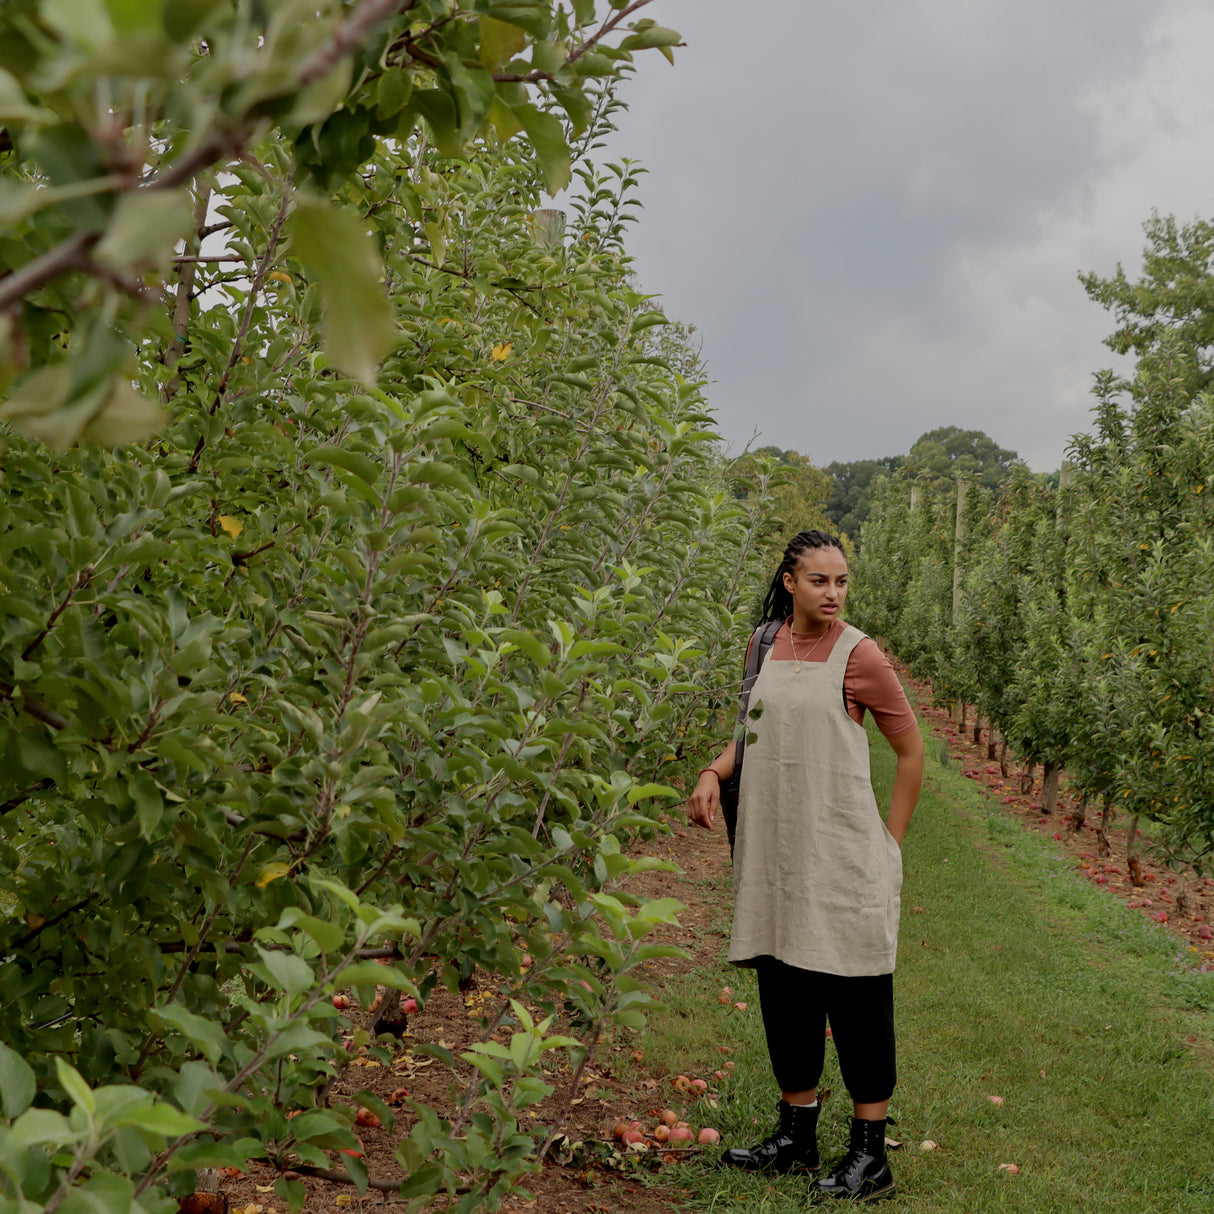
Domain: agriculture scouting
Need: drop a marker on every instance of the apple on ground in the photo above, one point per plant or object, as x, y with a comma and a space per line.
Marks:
708, 1136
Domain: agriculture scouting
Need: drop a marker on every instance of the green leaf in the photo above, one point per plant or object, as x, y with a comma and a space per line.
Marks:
78, 1091
547, 136
368, 973
336, 249
85, 23
162, 1119
287, 971
13, 105
17, 1085
145, 227
206, 1035
500, 42
136, 16
126, 417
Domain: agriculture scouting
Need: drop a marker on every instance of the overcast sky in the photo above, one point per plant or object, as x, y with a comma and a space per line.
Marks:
875, 213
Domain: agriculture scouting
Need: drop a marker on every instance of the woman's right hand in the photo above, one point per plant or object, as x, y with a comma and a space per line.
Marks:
703, 802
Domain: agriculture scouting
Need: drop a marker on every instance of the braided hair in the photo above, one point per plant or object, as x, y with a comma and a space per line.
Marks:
778, 603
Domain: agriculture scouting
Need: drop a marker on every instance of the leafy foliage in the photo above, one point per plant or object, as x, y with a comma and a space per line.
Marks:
1080, 620
389, 639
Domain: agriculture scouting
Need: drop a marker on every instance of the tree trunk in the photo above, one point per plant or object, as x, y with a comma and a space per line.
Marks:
1131, 855
1050, 772
991, 754
977, 729
1003, 771
1026, 778
1106, 819
1081, 812
959, 713
1182, 895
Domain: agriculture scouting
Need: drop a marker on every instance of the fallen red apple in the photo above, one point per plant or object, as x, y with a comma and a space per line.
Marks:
628, 1137
669, 1116
681, 1083
365, 1117
408, 1005
354, 1152
638, 1056
699, 1086
680, 1133
341, 1002
708, 1136
739, 1007
398, 1095
661, 1131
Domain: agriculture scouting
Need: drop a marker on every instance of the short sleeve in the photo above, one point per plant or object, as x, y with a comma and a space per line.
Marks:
870, 684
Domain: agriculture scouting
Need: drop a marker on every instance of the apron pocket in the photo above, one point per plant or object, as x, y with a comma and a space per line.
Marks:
851, 856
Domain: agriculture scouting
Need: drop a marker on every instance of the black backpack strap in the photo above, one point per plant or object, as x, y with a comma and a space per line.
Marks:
760, 646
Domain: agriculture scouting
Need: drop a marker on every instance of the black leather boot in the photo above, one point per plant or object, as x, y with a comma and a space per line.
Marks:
863, 1173
791, 1147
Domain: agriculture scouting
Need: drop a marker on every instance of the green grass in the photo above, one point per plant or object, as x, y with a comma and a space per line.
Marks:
1016, 979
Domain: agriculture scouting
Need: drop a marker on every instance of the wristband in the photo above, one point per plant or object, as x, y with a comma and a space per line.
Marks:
714, 772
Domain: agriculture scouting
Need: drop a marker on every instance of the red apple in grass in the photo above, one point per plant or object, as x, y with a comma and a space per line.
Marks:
680, 1133
708, 1137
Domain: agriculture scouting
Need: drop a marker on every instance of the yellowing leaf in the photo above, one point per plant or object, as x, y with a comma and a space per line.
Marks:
501, 352
343, 1199
233, 526
237, 698
278, 276
272, 872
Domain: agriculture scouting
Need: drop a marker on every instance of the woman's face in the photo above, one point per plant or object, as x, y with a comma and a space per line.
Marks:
818, 588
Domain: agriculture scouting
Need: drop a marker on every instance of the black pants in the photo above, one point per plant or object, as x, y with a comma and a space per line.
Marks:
796, 1006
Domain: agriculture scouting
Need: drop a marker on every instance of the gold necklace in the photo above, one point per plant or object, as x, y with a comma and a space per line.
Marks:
797, 661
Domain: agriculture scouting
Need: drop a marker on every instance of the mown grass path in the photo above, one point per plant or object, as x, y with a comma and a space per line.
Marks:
1016, 980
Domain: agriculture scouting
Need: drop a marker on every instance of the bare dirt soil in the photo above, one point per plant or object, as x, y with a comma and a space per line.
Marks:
587, 1173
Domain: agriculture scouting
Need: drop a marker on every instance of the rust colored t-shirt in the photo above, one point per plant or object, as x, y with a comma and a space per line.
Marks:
868, 683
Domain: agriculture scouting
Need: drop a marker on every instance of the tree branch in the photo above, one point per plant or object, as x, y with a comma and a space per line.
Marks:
36, 708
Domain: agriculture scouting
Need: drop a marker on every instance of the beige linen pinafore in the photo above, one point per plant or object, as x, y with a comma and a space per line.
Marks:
817, 876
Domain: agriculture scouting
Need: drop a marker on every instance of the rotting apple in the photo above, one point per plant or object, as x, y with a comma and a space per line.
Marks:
708, 1136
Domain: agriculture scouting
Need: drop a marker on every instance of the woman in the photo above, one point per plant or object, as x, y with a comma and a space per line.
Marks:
817, 875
